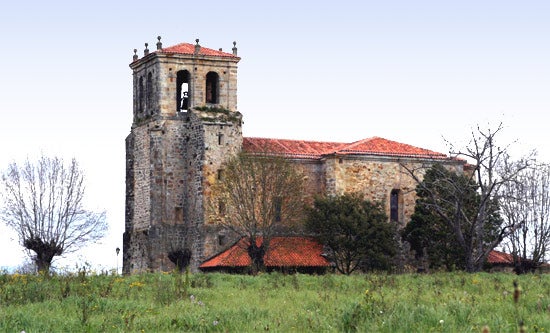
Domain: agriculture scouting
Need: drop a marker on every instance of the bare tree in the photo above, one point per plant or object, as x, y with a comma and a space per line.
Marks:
258, 197
476, 230
526, 202
43, 203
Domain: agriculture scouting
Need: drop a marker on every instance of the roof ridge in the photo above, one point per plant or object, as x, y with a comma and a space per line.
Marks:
354, 143
425, 151
189, 48
264, 138
374, 145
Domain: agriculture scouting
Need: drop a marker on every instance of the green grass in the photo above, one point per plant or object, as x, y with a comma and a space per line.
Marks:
443, 302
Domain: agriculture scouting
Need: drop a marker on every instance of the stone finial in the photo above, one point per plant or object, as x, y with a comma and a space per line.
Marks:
146, 51
197, 46
234, 48
135, 57
159, 44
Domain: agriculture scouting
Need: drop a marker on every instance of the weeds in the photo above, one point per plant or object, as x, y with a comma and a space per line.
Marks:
218, 303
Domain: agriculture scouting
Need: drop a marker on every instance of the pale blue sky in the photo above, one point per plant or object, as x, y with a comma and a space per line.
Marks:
410, 71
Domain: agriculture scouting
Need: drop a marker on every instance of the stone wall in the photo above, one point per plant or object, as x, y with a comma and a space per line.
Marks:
154, 186
376, 177
314, 177
193, 195
135, 240
140, 174
221, 137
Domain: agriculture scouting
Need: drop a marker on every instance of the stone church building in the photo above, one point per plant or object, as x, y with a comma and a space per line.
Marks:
186, 124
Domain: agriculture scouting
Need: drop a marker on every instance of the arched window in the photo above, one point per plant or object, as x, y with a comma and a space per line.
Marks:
395, 206
140, 95
212, 85
149, 92
182, 91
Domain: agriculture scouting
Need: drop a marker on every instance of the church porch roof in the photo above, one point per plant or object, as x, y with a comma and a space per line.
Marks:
283, 252
497, 257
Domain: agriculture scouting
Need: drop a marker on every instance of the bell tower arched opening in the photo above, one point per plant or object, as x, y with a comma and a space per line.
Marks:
140, 96
183, 92
212, 88
149, 92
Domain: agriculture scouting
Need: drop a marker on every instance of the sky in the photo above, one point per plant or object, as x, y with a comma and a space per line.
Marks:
419, 72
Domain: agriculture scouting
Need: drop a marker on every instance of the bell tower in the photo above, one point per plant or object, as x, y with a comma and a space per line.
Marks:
185, 126
178, 78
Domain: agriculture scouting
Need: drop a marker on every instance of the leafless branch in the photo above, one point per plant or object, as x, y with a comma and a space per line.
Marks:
43, 203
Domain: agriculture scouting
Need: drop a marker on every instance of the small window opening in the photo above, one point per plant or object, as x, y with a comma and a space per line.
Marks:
220, 138
220, 174
212, 85
221, 207
394, 205
179, 214
182, 90
221, 240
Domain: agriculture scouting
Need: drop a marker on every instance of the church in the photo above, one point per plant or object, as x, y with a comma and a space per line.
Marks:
186, 125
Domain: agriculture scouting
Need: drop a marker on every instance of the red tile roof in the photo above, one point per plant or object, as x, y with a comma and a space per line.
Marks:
186, 48
497, 257
294, 148
381, 146
297, 252
283, 252
314, 149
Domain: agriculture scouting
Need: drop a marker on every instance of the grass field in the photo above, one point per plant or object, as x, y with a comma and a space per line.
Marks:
442, 302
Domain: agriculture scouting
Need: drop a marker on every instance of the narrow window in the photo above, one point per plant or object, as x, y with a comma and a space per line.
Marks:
220, 174
221, 240
182, 91
140, 95
179, 214
220, 139
212, 84
221, 207
149, 92
394, 205
277, 206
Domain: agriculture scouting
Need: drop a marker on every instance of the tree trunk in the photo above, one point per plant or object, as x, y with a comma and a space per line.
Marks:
180, 258
471, 266
256, 254
43, 263
44, 252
